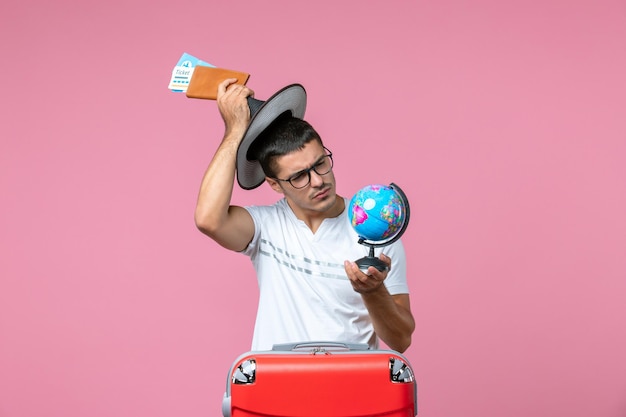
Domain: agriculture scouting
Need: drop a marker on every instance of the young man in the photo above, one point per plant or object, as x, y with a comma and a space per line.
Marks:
303, 247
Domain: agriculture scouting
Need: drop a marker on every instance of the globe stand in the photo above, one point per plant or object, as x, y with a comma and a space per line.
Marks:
365, 262
370, 260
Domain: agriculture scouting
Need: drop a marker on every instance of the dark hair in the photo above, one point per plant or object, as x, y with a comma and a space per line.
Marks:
284, 135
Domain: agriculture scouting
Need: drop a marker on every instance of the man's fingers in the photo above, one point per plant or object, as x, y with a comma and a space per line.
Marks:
386, 260
221, 88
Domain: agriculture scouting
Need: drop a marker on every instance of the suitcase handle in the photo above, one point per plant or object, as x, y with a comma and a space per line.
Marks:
320, 346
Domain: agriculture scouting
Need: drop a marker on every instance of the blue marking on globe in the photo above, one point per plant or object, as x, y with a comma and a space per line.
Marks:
377, 212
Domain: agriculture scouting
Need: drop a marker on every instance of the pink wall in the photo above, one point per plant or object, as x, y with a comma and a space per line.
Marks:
504, 122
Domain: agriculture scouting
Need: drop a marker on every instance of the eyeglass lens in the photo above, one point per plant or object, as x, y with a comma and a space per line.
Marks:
323, 167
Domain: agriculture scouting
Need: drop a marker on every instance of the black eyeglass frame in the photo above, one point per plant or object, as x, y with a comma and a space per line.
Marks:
307, 171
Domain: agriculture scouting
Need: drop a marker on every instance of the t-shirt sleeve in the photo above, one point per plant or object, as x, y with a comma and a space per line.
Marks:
256, 212
396, 281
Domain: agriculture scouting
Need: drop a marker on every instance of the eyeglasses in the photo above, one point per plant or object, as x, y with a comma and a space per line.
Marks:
303, 178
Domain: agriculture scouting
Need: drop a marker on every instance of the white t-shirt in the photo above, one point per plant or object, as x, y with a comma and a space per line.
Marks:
305, 294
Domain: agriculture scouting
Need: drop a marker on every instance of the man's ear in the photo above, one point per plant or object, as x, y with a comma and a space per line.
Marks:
274, 184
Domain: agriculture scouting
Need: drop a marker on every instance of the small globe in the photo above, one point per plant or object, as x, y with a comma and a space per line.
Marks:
378, 212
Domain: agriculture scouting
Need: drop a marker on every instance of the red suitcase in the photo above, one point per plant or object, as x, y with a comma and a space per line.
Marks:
320, 380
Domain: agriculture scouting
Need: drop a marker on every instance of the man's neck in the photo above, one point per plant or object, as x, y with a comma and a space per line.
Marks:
314, 219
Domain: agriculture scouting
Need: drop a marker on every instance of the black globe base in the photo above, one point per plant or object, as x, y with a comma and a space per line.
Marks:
367, 261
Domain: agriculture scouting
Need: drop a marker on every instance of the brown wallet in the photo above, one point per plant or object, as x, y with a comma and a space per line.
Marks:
204, 81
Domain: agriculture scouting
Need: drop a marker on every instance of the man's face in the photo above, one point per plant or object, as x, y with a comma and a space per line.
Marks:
320, 194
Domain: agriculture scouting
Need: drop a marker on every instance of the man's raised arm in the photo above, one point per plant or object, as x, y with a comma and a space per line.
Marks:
229, 225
